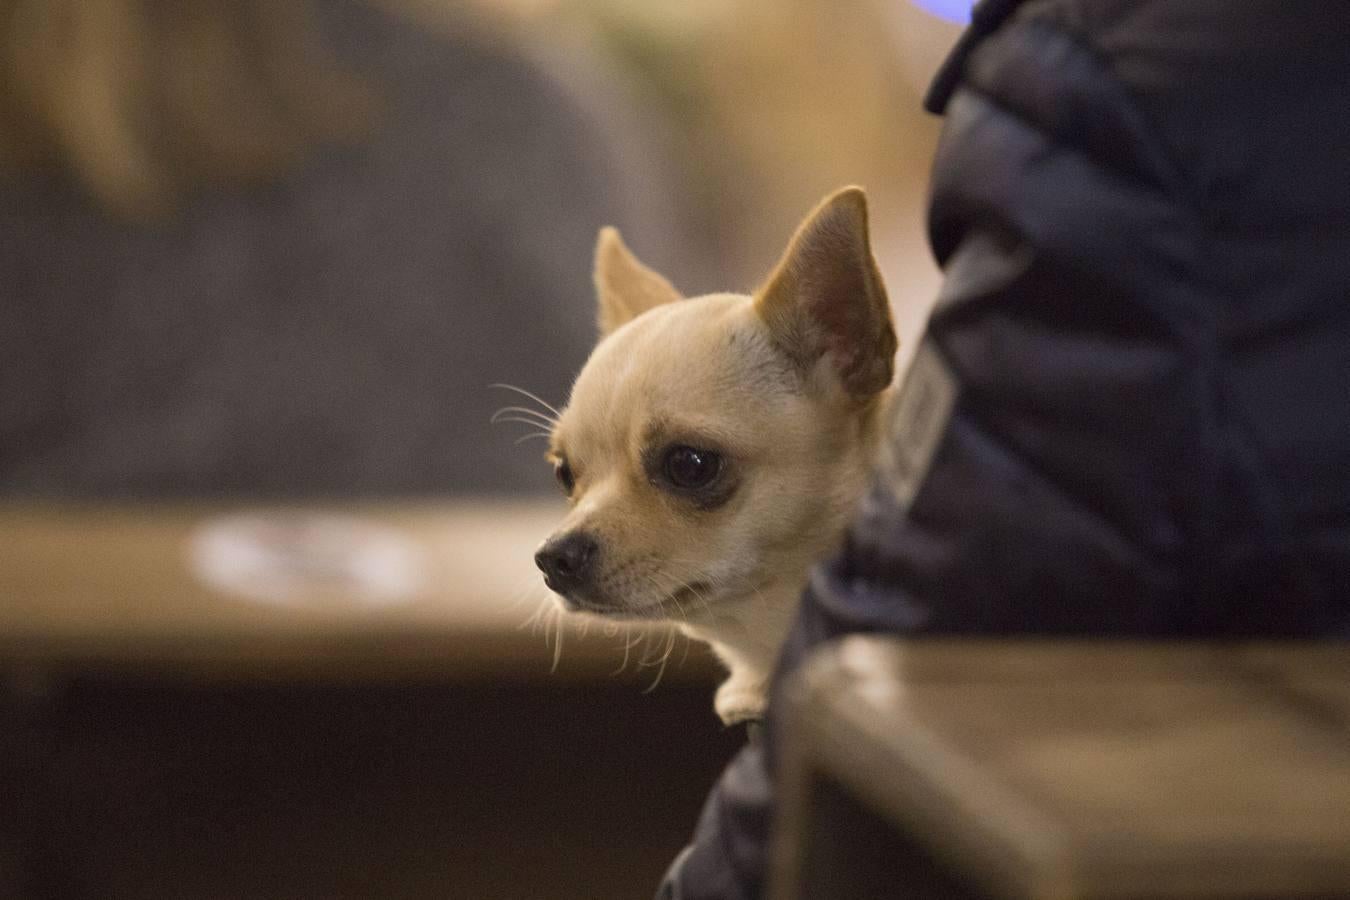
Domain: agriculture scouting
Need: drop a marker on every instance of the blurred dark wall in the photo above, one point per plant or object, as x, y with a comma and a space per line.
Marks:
333, 332
142, 789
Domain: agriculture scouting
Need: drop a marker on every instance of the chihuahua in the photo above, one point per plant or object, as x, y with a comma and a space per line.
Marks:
713, 448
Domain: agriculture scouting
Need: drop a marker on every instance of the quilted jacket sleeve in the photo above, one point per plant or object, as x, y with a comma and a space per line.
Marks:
1142, 214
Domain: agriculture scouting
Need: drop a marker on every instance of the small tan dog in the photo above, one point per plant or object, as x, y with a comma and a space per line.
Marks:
713, 448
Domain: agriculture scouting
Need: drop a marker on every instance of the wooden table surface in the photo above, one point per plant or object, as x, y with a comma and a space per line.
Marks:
283, 590
1059, 770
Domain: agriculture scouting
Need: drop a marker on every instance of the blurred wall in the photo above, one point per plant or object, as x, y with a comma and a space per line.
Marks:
328, 324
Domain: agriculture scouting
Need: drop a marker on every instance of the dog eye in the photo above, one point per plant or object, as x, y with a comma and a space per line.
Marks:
690, 468
563, 472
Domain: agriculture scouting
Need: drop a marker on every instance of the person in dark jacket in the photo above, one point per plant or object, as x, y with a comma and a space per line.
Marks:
1137, 374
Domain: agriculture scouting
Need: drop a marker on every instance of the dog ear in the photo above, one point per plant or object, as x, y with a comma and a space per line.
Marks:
826, 300
625, 287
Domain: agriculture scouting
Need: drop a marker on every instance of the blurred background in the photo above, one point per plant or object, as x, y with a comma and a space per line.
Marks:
269, 624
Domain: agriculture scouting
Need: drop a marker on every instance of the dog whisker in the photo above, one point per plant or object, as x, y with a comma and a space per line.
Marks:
524, 393
559, 626
665, 657
522, 411
666, 596
521, 419
628, 644
655, 654
700, 596
693, 589
646, 641
533, 621
740, 584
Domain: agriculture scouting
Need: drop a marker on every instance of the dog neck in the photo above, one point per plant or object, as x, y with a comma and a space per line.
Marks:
747, 636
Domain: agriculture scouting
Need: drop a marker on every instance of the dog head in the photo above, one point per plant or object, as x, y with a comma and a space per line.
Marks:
713, 447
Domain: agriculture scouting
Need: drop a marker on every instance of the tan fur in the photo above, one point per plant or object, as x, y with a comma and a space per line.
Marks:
625, 287
828, 274
785, 385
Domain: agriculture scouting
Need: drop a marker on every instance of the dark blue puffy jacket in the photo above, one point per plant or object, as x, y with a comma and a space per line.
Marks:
1143, 211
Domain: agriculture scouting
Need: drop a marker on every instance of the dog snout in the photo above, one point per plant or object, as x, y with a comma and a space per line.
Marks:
568, 561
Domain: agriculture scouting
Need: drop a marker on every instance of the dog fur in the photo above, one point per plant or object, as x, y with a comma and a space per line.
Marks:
777, 394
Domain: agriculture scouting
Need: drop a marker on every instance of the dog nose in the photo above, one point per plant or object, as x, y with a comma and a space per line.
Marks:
567, 561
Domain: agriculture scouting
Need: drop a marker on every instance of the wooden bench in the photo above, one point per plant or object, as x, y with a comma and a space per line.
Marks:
263, 591
1066, 770
347, 706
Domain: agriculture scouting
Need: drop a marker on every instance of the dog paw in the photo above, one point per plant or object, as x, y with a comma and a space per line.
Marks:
738, 702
